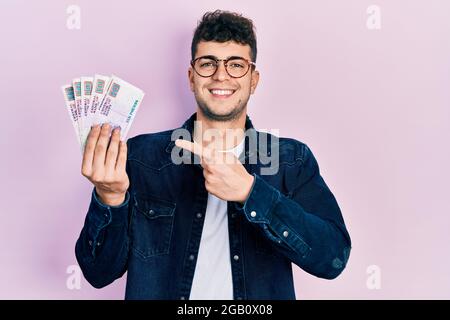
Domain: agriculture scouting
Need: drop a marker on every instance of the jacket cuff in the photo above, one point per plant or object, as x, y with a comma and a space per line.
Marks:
260, 202
102, 215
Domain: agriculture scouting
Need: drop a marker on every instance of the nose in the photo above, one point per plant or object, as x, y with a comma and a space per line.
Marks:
221, 72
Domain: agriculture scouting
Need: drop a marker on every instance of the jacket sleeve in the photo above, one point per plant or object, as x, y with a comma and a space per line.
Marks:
103, 245
307, 225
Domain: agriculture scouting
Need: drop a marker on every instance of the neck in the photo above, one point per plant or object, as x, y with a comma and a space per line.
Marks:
222, 135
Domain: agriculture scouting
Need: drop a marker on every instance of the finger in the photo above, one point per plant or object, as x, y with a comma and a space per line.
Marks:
100, 148
206, 173
193, 147
122, 157
113, 149
228, 158
88, 154
208, 154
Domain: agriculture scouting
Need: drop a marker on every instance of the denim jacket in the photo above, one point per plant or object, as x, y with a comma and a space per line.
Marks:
154, 235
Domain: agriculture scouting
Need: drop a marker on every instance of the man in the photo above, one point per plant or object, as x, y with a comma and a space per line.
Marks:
215, 228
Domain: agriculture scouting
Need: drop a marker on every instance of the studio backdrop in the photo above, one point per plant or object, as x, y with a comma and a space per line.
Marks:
365, 84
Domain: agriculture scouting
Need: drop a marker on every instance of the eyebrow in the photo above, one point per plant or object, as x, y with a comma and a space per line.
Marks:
216, 58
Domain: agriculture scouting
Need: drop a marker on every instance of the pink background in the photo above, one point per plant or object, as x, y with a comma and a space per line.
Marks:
373, 105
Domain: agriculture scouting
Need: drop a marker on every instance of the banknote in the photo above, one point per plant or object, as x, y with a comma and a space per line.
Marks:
101, 99
76, 83
69, 98
121, 104
86, 92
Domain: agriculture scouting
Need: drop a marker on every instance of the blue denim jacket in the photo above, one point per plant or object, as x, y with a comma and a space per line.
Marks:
291, 216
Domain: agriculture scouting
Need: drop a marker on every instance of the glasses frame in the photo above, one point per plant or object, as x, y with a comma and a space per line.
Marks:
251, 64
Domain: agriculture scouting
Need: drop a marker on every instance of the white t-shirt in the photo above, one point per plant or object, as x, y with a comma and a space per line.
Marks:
212, 277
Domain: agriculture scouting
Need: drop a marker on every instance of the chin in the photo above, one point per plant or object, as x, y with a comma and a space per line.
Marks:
218, 114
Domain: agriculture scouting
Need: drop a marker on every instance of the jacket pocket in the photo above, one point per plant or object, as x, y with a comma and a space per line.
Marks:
151, 226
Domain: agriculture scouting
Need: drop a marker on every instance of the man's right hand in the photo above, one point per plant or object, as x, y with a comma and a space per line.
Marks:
104, 162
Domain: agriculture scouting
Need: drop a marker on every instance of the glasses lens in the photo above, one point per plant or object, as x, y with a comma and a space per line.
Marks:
205, 67
237, 67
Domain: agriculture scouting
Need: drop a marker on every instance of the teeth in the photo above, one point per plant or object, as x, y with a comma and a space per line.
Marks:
222, 92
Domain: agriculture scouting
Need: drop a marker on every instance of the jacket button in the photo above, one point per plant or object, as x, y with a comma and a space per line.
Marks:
151, 212
236, 257
191, 257
199, 215
253, 214
285, 234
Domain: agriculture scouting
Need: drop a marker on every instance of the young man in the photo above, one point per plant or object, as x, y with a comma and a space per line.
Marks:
215, 228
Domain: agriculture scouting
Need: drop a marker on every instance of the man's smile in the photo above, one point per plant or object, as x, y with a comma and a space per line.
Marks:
221, 93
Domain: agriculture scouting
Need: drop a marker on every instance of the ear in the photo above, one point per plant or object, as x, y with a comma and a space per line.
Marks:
191, 78
254, 81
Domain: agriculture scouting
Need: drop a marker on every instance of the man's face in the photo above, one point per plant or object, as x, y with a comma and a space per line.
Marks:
214, 104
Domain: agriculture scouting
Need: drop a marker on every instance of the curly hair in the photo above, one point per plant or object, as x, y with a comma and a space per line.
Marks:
223, 26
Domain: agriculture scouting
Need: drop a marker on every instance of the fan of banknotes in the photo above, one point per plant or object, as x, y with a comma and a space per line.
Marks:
101, 99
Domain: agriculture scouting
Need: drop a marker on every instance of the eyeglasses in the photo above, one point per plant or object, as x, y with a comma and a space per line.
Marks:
236, 67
